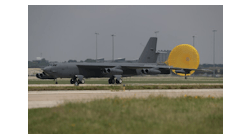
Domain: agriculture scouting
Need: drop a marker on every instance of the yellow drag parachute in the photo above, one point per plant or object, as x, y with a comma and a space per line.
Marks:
184, 56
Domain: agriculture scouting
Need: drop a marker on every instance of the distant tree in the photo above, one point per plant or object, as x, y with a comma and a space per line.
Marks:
90, 60
71, 61
38, 63
43, 60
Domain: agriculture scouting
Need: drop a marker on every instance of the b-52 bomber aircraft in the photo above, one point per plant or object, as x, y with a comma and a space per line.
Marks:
115, 71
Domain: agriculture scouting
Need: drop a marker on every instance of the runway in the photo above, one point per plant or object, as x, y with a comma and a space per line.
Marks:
39, 99
134, 84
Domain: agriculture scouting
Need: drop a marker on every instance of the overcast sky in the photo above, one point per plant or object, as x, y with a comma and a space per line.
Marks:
61, 33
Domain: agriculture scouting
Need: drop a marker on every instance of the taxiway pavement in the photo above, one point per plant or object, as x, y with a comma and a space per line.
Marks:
134, 84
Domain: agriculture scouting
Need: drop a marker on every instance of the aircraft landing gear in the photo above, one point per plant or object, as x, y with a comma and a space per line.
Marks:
76, 84
83, 81
77, 80
115, 79
56, 81
111, 81
118, 81
72, 81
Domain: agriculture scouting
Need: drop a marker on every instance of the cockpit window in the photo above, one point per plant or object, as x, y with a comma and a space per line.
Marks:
52, 64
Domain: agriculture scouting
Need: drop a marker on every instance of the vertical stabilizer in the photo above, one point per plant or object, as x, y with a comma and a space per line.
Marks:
148, 54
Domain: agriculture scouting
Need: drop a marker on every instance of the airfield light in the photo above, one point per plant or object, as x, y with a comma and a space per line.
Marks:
193, 41
214, 54
156, 33
96, 46
113, 47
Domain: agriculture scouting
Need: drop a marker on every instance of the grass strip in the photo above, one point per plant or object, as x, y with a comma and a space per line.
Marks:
120, 87
152, 115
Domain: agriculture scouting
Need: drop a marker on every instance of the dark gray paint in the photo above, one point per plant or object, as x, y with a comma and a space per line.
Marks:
111, 70
148, 54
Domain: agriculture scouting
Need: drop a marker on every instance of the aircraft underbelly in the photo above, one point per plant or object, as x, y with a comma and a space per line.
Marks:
90, 73
129, 72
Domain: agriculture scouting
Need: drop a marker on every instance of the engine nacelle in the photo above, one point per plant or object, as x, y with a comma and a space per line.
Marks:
112, 71
151, 71
39, 75
182, 71
43, 76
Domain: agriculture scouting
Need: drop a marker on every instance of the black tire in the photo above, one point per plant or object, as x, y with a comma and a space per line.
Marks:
83, 81
109, 81
72, 81
118, 81
113, 81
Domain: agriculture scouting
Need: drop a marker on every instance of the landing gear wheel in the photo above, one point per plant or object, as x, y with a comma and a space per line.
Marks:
111, 81
76, 83
72, 81
118, 81
83, 81
56, 82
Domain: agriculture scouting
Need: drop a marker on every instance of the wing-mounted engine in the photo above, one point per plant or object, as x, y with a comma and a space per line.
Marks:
183, 71
43, 76
113, 71
152, 71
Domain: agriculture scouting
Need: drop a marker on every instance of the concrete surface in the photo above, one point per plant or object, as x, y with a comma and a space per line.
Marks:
37, 85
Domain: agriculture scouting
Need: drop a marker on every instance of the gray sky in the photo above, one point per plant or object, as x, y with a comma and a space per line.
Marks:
61, 33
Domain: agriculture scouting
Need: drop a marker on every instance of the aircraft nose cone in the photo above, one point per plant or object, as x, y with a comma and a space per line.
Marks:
46, 69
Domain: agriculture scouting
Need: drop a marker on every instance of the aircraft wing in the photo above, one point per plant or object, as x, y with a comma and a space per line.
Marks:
132, 66
176, 68
95, 66
121, 65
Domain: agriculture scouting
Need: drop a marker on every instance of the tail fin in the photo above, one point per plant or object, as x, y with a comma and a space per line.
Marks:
148, 54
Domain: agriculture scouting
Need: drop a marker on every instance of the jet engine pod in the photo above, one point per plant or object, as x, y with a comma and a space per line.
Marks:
43, 76
39, 75
151, 71
113, 71
144, 71
184, 56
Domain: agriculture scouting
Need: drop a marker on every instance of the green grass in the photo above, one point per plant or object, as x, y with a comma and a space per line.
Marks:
120, 87
184, 115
